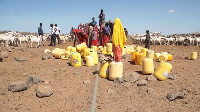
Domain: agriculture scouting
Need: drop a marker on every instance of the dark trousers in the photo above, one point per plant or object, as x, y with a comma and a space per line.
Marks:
147, 44
53, 39
58, 38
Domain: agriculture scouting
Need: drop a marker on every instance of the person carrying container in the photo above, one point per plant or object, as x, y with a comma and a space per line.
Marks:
118, 39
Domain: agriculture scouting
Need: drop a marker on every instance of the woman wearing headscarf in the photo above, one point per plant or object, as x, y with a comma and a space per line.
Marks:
118, 39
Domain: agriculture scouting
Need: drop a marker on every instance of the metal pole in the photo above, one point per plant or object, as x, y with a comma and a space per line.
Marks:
92, 109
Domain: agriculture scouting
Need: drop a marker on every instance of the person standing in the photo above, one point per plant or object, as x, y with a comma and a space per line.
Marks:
147, 40
118, 39
53, 35
57, 33
93, 23
106, 34
111, 28
40, 33
102, 21
94, 38
126, 32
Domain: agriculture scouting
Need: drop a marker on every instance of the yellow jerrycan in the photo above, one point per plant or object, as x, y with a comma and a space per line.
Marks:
144, 50
95, 56
150, 54
137, 48
147, 66
100, 48
56, 48
115, 70
163, 70
58, 54
85, 51
67, 54
163, 57
104, 70
73, 49
81, 47
193, 55
69, 48
133, 56
156, 56
124, 51
89, 61
104, 50
169, 57
94, 48
109, 47
138, 58
75, 59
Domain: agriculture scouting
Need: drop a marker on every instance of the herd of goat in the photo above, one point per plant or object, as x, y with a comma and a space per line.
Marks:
176, 39
15, 39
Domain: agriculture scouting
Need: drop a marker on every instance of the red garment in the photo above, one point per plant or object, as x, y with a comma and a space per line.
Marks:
95, 42
106, 39
117, 51
81, 36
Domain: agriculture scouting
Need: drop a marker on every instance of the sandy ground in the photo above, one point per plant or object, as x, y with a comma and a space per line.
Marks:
72, 95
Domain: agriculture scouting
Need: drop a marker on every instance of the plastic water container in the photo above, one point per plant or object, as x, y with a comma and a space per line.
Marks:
104, 70
89, 61
137, 48
193, 55
124, 51
67, 54
81, 47
115, 70
138, 58
94, 48
58, 54
144, 50
94, 55
100, 48
73, 49
169, 57
104, 50
85, 52
150, 54
163, 70
133, 56
156, 56
163, 57
75, 59
109, 47
147, 66
69, 48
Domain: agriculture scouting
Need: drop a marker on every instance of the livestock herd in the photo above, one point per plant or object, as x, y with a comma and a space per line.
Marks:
175, 39
14, 39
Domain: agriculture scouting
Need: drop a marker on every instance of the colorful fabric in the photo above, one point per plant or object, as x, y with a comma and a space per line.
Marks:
118, 37
106, 39
94, 38
81, 36
117, 51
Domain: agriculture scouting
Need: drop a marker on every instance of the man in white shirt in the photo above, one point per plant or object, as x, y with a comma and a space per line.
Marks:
53, 35
57, 33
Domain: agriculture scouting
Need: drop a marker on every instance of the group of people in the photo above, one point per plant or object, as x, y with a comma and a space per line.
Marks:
92, 36
55, 32
108, 32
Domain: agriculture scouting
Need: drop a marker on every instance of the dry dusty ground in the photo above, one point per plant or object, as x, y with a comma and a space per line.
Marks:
72, 95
